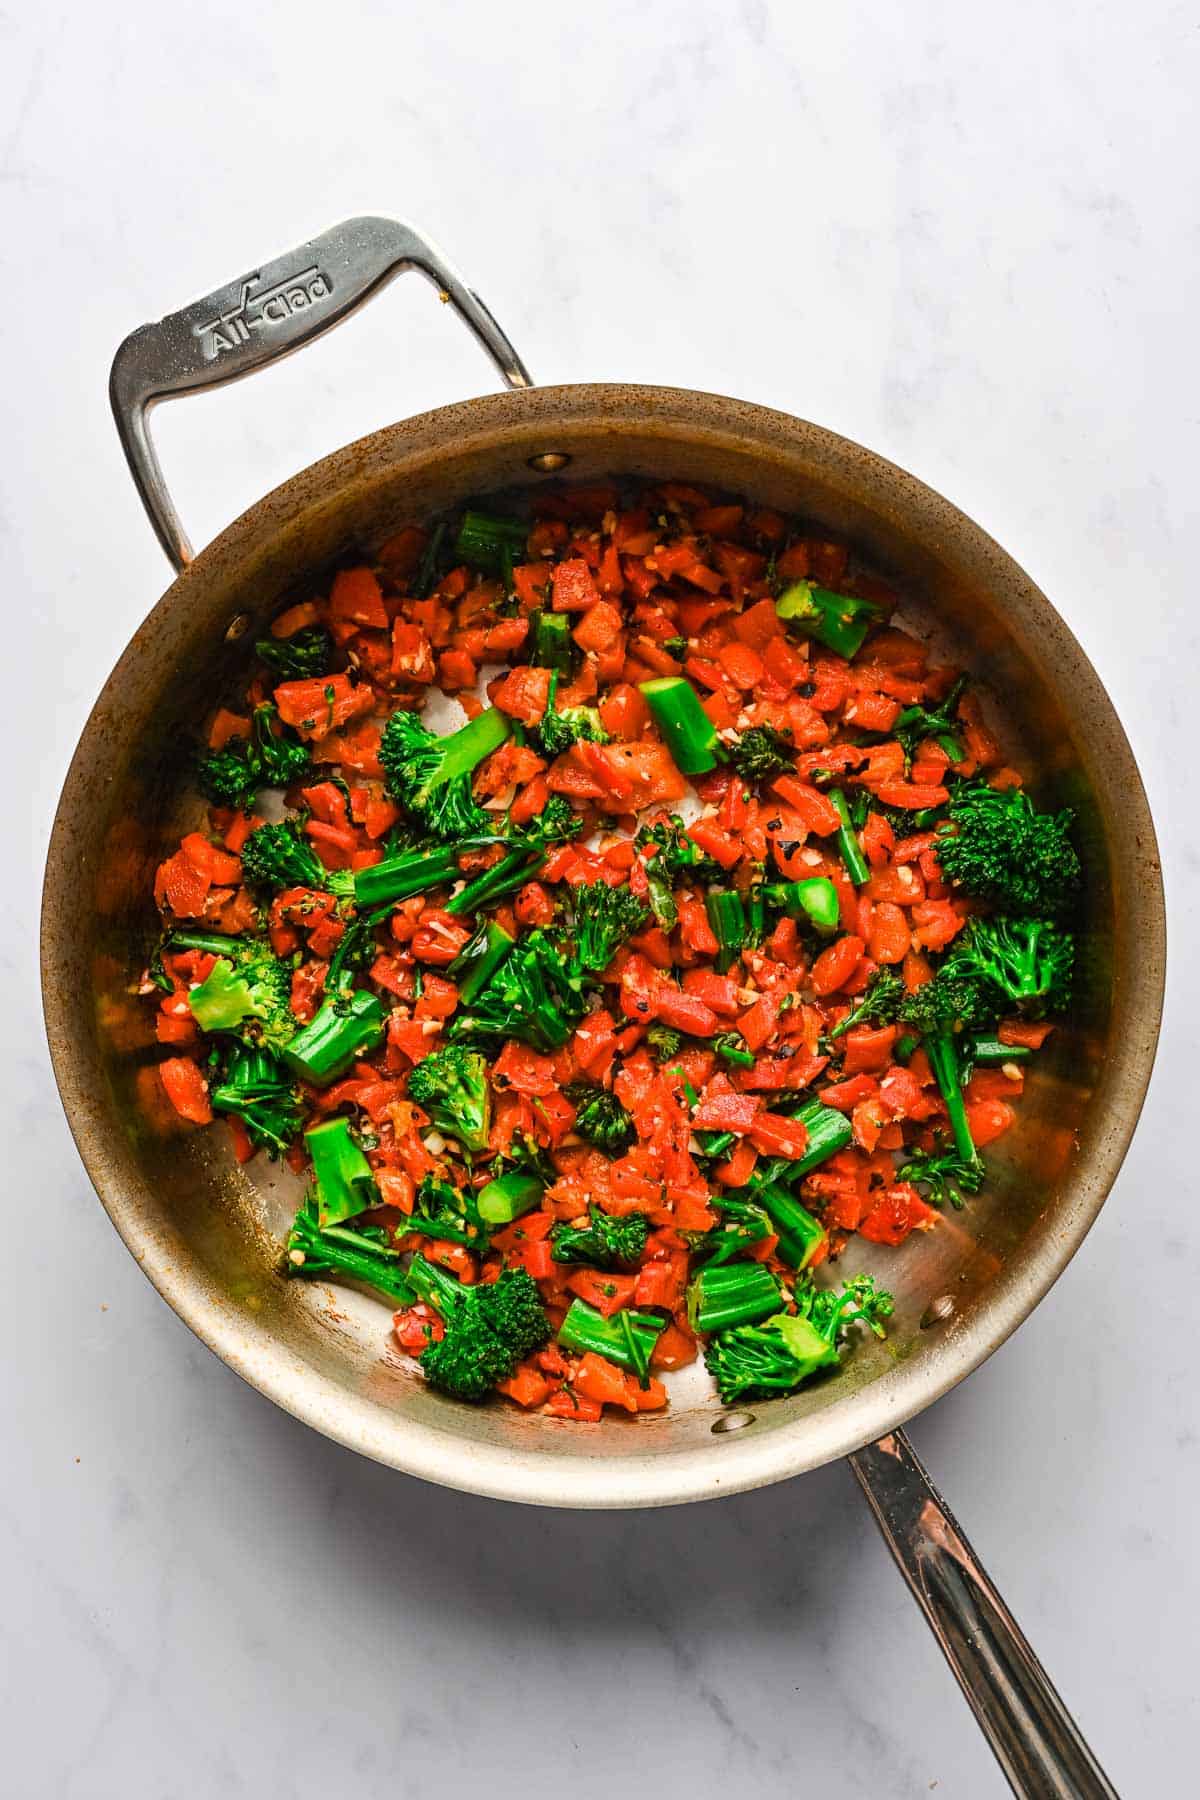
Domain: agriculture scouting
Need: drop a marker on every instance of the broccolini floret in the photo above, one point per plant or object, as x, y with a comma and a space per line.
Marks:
490, 1328
762, 752
940, 722
673, 858
939, 1010
674, 853
430, 776
279, 856
560, 727
600, 1117
663, 1042
233, 775
878, 1004
1028, 962
534, 996
444, 1211
306, 653
604, 1242
452, 1086
776, 1357
998, 847
604, 917
946, 1174
247, 992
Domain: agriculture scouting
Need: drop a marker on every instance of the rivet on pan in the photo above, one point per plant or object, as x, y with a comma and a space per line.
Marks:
732, 1422
549, 461
937, 1312
237, 628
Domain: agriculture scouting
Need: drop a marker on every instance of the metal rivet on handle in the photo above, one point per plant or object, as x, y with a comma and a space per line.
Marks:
549, 461
734, 1421
937, 1312
237, 628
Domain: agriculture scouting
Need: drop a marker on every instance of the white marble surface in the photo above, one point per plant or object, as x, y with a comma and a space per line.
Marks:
966, 236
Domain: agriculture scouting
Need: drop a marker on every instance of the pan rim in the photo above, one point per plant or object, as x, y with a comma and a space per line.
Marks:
734, 1462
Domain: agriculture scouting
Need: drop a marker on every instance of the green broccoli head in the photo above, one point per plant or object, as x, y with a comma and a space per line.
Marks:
605, 1241
946, 1174
275, 857
306, 653
227, 776
233, 775
489, 1328
758, 1361
663, 1042
512, 1307
470, 1359
560, 727
452, 1086
604, 917
600, 1118
762, 752
1028, 962
999, 848
430, 776
557, 823
953, 999
878, 1004
247, 992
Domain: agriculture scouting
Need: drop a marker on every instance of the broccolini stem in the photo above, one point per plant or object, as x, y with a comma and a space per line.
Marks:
839, 621
436, 1286
512, 871
828, 1132
508, 1197
584, 1329
727, 916
687, 730
426, 573
551, 640
943, 1060
340, 974
344, 1029
814, 899
213, 943
344, 1178
338, 1252
848, 844
465, 748
478, 959
483, 539
716, 1143
989, 1052
398, 877
725, 1294
800, 1235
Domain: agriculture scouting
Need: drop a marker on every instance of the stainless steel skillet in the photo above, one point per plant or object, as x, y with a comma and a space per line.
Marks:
202, 1229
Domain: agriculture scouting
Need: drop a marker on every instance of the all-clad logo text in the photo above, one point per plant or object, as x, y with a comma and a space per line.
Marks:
259, 309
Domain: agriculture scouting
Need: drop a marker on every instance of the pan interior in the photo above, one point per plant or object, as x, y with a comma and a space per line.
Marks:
207, 1231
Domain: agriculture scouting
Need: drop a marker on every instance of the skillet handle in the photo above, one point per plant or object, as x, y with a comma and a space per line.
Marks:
263, 315
1036, 1741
